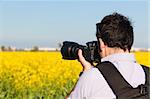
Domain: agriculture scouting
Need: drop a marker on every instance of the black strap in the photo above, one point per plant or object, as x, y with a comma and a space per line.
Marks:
147, 77
113, 77
147, 73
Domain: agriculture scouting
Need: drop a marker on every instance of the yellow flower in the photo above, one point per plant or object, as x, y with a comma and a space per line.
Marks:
43, 73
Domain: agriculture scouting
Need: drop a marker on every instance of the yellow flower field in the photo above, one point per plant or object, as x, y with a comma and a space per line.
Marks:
143, 58
41, 75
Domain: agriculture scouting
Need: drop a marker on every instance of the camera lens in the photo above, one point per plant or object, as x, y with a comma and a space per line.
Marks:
69, 50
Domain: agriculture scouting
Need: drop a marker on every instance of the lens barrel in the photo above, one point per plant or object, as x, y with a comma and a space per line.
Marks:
69, 50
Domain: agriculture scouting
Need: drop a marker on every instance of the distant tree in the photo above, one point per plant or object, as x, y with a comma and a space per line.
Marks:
35, 48
9, 48
3, 48
59, 45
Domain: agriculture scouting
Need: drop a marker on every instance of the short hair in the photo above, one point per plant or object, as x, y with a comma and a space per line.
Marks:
116, 30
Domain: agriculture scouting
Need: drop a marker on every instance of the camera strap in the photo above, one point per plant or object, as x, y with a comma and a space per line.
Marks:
118, 84
113, 77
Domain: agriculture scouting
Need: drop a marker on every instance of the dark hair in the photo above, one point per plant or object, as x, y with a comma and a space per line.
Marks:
115, 30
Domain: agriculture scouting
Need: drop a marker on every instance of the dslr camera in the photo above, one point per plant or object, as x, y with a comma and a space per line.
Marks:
69, 51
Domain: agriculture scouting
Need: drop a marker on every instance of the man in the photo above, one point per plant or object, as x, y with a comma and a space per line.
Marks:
115, 36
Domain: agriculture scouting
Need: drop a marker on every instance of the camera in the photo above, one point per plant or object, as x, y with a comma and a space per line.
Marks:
69, 51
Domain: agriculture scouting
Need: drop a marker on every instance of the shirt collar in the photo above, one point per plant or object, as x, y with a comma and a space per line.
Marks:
120, 57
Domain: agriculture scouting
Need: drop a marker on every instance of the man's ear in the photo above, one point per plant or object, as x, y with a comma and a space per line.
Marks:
102, 45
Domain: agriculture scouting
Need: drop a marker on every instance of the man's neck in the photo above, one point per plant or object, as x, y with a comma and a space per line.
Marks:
111, 51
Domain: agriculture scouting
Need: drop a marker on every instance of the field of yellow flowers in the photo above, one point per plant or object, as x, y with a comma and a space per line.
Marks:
41, 75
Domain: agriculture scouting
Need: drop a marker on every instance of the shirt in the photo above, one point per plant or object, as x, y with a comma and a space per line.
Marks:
92, 84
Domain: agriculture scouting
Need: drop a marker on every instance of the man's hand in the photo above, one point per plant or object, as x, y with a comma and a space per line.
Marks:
86, 65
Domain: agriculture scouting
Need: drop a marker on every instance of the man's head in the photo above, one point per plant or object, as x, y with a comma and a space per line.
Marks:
115, 31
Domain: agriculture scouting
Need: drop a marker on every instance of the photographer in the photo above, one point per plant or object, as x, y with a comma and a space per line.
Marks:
115, 38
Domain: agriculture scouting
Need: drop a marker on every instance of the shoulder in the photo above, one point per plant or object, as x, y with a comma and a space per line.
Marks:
90, 81
91, 74
92, 84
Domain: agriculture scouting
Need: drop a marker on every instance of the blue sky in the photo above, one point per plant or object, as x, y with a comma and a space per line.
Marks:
46, 23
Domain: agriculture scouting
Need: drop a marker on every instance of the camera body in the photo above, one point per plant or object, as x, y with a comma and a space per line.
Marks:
69, 51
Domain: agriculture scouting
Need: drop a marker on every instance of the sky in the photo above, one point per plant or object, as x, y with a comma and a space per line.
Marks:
45, 23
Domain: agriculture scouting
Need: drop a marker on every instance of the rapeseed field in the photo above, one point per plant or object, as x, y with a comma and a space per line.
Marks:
41, 75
